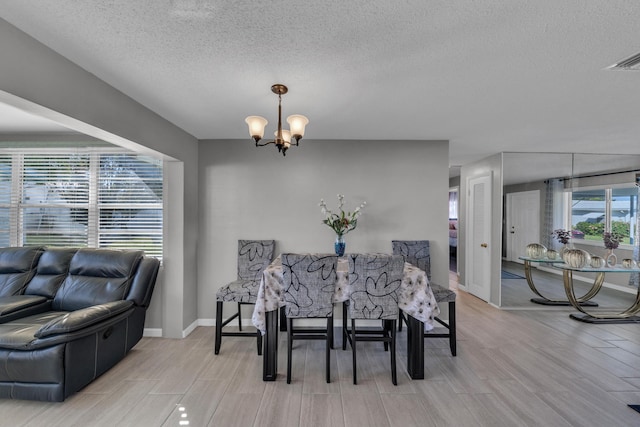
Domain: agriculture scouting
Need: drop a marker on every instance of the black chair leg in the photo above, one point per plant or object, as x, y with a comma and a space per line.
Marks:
283, 320
386, 332
344, 326
394, 376
259, 340
289, 347
329, 346
452, 327
330, 329
218, 340
399, 320
239, 317
353, 349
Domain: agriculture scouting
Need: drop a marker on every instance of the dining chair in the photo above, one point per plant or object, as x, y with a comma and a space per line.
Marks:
415, 252
253, 257
309, 284
443, 295
375, 281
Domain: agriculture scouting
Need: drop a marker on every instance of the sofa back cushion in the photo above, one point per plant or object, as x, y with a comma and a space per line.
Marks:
144, 282
97, 276
17, 267
51, 271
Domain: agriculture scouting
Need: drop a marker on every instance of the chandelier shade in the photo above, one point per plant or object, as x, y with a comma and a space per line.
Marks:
256, 126
283, 137
297, 124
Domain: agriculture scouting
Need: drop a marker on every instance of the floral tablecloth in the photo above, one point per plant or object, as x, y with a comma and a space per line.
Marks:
415, 296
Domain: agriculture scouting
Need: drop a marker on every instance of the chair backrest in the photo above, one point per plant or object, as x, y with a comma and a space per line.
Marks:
253, 257
375, 282
309, 284
415, 252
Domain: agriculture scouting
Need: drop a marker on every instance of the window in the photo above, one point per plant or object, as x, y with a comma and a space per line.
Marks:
595, 211
86, 199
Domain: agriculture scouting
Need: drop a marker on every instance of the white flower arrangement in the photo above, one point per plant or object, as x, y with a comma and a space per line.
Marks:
342, 222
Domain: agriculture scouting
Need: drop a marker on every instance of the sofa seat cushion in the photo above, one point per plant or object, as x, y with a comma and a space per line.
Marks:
14, 303
19, 334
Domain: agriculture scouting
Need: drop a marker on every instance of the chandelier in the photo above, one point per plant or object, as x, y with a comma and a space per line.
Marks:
283, 137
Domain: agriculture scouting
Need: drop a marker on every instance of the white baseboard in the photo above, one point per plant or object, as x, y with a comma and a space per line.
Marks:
190, 329
157, 332
152, 332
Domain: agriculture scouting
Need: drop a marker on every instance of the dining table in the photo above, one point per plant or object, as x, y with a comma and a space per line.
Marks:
415, 299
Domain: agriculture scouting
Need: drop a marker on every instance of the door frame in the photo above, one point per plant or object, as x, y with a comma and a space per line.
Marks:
472, 251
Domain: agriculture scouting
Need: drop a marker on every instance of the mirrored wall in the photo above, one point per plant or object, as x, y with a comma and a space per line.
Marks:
585, 194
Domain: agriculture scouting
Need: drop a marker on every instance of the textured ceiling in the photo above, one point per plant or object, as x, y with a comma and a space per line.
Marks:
488, 75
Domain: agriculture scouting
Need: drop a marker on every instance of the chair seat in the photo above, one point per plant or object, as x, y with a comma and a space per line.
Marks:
442, 294
245, 291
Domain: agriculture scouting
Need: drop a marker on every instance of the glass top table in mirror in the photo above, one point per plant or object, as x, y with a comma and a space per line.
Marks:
583, 300
629, 315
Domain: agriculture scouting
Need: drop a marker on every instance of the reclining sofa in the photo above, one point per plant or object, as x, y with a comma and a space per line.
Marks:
67, 315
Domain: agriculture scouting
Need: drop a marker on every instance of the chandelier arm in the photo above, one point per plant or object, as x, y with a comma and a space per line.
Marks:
262, 144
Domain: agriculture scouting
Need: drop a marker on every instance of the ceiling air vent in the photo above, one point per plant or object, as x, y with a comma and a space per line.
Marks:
630, 64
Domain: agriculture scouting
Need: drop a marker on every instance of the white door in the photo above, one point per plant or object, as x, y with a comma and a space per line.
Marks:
523, 222
478, 250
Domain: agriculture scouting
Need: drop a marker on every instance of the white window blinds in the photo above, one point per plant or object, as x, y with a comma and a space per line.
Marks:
55, 200
130, 203
92, 199
5, 200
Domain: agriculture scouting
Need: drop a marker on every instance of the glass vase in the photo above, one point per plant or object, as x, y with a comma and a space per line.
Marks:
339, 245
611, 258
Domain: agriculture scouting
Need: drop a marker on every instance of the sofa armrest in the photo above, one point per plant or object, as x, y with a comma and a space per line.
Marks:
9, 305
79, 319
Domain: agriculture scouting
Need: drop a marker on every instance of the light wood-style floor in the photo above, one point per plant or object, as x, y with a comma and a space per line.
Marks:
514, 368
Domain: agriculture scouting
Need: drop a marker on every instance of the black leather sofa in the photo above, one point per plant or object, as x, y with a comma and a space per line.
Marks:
67, 316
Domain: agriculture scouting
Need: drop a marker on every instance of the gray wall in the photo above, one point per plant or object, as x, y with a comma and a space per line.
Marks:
37, 79
255, 193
